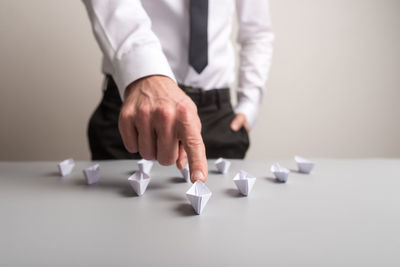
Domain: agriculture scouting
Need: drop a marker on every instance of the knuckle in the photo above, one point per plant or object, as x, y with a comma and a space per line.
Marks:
194, 142
142, 114
125, 115
143, 111
165, 112
182, 109
190, 104
187, 110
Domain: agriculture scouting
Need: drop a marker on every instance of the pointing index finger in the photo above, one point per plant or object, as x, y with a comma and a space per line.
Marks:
190, 134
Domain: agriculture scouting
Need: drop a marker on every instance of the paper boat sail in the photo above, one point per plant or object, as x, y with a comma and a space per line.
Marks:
139, 181
92, 174
145, 165
186, 173
222, 165
198, 195
65, 167
304, 165
244, 182
281, 173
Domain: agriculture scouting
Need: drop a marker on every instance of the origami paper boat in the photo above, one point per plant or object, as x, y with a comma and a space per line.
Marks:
186, 173
92, 174
139, 181
145, 165
281, 173
304, 165
244, 182
222, 165
198, 195
65, 167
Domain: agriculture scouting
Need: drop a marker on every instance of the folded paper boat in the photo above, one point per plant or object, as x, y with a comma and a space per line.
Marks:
145, 165
92, 174
186, 173
198, 195
222, 165
139, 181
244, 182
304, 165
281, 173
65, 167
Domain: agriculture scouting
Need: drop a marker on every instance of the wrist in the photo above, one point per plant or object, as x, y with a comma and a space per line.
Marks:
147, 80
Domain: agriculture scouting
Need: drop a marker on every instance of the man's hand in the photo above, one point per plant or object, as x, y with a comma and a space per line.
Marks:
239, 121
160, 121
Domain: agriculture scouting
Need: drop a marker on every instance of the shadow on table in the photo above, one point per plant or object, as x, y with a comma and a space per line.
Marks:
52, 174
233, 193
170, 197
295, 171
121, 186
185, 209
131, 172
273, 180
177, 180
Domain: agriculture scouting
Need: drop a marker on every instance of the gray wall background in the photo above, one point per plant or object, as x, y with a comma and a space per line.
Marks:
333, 89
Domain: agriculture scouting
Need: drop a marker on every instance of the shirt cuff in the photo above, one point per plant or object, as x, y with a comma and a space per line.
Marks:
249, 109
138, 63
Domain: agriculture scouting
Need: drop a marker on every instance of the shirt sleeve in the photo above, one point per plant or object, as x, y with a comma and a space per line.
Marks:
255, 38
122, 29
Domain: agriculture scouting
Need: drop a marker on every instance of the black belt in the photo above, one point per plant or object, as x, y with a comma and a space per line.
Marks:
201, 97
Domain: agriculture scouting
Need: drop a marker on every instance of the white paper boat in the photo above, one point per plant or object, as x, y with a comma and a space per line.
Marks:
186, 173
92, 174
222, 165
65, 167
244, 182
281, 173
139, 181
304, 165
145, 165
198, 195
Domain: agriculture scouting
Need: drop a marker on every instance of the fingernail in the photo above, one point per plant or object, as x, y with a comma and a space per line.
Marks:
197, 175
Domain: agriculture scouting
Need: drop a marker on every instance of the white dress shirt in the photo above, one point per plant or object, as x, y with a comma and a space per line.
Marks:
142, 38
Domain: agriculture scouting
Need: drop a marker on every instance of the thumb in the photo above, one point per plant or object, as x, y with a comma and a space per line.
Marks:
237, 122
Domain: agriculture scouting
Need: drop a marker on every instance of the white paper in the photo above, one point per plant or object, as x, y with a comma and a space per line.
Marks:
222, 165
145, 165
186, 173
65, 167
304, 165
281, 173
198, 195
139, 181
92, 174
244, 182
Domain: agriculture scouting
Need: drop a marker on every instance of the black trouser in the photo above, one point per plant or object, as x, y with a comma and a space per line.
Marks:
214, 109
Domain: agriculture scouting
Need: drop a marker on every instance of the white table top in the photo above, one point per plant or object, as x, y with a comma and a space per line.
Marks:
346, 213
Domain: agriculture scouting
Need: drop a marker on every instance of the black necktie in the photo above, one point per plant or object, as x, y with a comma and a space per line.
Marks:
198, 43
